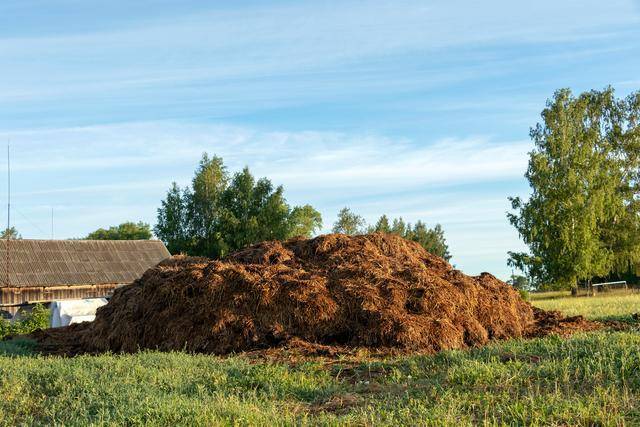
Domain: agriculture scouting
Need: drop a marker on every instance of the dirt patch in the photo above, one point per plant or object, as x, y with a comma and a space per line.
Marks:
340, 404
320, 296
555, 323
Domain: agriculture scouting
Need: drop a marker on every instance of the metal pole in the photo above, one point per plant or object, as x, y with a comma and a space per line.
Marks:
8, 190
8, 232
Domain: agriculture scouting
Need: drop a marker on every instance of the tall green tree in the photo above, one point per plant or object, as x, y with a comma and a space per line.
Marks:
203, 203
399, 227
432, 239
124, 231
382, 225
220, 214
583, 173
622, 235
349, 222
253, 211
172, 226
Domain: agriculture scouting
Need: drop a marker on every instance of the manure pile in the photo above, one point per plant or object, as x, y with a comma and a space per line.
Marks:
377, 291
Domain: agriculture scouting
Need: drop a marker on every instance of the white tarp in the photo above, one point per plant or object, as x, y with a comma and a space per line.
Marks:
64, 313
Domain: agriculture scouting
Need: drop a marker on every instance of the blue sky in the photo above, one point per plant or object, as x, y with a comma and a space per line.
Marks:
418, 109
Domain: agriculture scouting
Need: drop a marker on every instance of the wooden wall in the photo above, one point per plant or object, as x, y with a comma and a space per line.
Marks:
14, 296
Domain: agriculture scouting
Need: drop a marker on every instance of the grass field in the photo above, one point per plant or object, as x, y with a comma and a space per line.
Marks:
614, 305
590, 379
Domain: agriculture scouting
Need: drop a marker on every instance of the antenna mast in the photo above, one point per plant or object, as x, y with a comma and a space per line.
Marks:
8, 190
8, 231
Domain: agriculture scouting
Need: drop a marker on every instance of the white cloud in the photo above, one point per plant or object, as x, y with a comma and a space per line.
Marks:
385, 67
99, 175
300, 160
218, 49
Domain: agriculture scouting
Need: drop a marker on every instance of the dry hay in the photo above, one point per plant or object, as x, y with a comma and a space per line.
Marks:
333, 291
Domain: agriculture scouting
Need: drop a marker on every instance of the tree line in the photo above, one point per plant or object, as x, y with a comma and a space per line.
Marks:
220, 213
580, 222
582, 219
432, 239
125, 231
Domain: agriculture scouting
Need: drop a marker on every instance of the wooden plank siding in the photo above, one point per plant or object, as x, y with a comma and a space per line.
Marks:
11, 296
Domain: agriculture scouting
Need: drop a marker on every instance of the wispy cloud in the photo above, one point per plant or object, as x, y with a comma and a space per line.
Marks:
324, 160
410, 108
96, 173
182, 53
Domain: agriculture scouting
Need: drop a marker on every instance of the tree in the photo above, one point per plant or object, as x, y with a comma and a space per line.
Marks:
253, 211
172, 220
219, 214
304, 221
622, 234
582, 218
348, 222
204, 210
531, 266
10, 233
124, 231
432, 239
519, 282
381, 226
399, 227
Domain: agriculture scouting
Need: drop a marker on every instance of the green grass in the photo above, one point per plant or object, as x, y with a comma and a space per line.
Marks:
533, 296
614, 305
589, 379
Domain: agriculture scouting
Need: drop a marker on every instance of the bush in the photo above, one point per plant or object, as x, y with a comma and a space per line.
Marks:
37, 319
524, 294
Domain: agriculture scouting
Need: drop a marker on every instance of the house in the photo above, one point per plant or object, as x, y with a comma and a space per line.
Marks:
41, 271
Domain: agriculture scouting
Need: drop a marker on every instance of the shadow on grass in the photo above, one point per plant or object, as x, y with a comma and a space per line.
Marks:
631, 319
18, 347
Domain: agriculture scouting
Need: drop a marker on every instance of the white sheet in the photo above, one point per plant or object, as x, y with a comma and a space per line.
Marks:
64, 313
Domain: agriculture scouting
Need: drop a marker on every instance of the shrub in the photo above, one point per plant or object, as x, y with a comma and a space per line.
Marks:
37, 319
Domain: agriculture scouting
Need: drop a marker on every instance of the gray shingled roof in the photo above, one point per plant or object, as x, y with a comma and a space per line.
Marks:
77, 262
